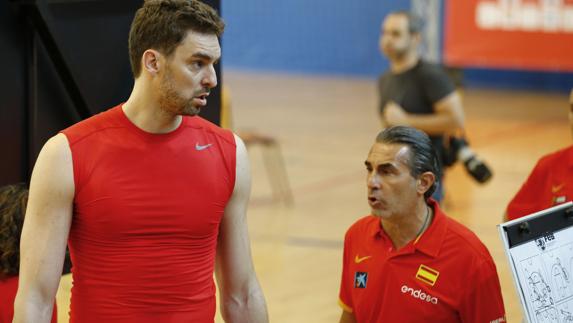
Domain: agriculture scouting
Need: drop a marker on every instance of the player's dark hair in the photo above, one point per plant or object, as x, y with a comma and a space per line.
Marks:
163, 24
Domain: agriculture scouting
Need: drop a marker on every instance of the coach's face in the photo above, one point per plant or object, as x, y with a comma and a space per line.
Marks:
392, 190
189, 74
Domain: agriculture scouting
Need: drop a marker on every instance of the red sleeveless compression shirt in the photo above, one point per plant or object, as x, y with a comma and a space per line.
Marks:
147, 209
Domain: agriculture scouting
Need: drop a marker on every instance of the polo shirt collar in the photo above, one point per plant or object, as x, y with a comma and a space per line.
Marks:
431, 240
375, 230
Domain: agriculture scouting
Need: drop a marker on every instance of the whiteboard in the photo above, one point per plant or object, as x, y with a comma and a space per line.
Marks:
539, 248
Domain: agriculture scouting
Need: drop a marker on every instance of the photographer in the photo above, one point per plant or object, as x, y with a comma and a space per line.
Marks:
419, 94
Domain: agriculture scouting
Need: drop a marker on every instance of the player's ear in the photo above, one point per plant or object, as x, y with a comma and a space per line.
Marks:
152, 61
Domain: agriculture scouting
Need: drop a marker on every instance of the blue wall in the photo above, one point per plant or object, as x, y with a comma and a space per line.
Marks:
336, 37
317, 36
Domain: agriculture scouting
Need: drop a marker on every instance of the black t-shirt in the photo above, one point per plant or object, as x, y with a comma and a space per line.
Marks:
417, 90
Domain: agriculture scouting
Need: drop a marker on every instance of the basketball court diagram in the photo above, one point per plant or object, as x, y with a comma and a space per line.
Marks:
545, 269
566, 316
540, 290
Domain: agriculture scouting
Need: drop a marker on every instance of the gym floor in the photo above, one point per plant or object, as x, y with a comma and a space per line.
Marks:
325, 127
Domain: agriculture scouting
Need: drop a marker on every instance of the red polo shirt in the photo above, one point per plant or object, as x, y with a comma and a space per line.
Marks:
446, 275
550, 183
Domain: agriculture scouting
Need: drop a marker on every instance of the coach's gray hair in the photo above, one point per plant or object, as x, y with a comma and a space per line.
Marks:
423, 157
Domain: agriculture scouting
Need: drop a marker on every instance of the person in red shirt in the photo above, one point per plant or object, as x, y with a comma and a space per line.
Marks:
408, 261
13, 199
550, 182
150, 197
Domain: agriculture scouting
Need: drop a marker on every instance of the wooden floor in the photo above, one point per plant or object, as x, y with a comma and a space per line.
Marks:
326, 127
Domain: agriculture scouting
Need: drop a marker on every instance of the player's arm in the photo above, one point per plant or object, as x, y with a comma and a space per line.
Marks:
448, 116
242, 298
347, 317
45, 232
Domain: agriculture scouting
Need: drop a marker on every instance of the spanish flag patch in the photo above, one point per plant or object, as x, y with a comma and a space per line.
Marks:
427, 275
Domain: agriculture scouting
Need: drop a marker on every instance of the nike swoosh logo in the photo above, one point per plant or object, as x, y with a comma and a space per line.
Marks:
202, 147
556, 188
358, 259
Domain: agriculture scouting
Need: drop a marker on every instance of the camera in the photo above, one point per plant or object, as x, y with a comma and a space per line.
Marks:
459, 150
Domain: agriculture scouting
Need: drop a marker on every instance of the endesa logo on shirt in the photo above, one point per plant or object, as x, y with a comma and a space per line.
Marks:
419, 294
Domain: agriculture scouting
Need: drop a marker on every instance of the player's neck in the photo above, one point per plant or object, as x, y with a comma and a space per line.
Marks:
404, 63
142, 109
405, 228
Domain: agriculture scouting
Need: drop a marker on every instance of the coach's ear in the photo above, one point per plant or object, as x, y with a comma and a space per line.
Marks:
424, 182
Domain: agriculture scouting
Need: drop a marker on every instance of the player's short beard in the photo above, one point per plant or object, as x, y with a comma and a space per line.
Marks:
171, 101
